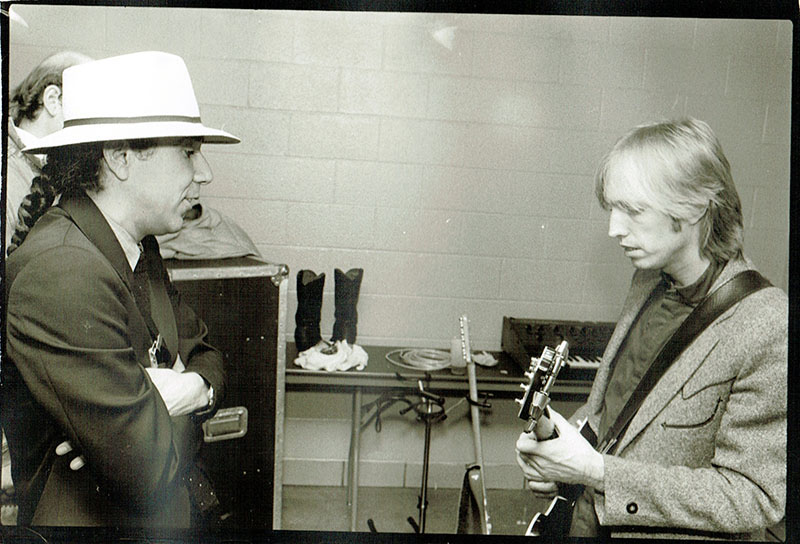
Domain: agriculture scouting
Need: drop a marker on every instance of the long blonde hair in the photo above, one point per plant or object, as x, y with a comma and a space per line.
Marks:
683, 174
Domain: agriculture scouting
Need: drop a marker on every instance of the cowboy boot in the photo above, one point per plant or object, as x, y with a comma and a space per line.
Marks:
347, 288
309, 309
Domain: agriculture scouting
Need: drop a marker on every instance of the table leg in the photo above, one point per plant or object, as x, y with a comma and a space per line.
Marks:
352, 463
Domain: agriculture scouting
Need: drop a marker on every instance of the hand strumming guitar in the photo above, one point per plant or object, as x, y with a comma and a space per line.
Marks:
567, 458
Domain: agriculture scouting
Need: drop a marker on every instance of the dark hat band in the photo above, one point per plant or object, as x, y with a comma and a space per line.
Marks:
124, 120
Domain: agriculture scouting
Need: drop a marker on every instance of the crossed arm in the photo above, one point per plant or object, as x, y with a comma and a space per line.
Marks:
116, 414
183, 393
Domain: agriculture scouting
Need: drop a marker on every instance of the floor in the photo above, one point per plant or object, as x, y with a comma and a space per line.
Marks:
308, 508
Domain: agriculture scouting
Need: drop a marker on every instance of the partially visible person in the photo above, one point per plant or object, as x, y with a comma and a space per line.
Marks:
101, 350
704, 455
35, 110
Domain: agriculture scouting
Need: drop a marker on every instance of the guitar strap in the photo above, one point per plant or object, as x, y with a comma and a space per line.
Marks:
709, 309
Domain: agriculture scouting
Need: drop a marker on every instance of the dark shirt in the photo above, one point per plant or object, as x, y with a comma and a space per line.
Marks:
667, 307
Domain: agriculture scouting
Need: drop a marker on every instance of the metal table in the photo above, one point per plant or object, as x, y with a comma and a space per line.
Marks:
501, 381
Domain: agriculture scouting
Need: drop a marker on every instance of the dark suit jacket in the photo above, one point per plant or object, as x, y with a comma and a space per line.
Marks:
74, 369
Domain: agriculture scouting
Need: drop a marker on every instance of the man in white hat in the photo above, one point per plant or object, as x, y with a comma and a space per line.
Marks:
101, 351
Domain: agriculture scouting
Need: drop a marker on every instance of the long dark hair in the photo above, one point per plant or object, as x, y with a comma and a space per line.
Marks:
69, 170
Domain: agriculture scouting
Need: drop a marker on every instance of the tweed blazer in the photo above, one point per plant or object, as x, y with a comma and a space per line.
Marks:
75, 369
706, 452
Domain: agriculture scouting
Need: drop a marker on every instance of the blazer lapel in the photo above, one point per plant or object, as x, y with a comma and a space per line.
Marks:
88, 218
684, 367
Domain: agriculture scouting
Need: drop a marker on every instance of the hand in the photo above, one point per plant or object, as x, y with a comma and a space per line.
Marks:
533, 480
64, 448
569, 458
182, 392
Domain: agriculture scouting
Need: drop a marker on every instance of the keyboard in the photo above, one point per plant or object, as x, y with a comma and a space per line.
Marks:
524, 338
581, 362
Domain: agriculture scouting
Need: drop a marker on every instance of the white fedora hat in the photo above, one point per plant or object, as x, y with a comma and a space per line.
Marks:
140, 95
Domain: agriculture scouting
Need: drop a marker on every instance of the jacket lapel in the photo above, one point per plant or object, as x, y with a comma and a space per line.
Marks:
684, 367
88, 218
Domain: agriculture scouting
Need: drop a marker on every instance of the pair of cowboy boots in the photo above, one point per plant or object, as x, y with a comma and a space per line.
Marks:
309, 307
341, 353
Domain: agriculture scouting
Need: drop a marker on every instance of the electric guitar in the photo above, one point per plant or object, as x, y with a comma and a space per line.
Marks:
554, 521
475, 472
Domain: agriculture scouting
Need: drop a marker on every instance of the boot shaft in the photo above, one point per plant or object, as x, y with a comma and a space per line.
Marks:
347, 289
309, 309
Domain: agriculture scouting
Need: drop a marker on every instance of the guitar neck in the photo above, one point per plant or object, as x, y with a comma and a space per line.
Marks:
466, 351
476, 422
475, 413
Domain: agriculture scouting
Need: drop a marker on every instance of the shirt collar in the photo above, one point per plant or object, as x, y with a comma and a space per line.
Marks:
694, 293
130, 246
28, 139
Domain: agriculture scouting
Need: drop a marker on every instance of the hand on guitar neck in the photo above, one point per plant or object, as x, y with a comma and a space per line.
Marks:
568, 458
550, 449
554, 456
545, 429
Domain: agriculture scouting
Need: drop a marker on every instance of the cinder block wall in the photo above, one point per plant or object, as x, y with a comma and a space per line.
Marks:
457, 172
451, 157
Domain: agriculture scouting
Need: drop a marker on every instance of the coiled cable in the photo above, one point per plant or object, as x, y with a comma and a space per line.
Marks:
419, 358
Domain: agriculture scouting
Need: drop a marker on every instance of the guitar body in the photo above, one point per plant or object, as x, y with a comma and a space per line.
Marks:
472, 514
554, 522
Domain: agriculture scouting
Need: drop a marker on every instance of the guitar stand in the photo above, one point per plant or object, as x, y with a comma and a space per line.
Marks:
483, 403
429, 409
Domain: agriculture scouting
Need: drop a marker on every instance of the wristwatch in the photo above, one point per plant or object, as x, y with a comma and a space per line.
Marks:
210, 396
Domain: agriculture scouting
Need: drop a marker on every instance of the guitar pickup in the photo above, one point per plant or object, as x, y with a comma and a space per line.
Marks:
227, 424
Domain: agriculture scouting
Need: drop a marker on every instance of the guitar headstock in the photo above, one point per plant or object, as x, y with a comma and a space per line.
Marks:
541, 375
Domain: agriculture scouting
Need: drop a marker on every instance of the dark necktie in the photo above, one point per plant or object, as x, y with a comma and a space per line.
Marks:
141, 286
158, 352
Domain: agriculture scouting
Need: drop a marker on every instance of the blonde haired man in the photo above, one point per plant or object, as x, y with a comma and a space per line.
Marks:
704, 454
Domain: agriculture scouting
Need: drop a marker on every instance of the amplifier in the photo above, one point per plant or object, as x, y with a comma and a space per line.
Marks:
525, 338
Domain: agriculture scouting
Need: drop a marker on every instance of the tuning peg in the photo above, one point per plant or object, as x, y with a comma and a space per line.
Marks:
518, 401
